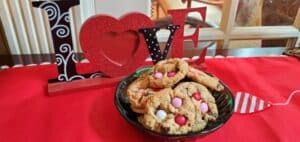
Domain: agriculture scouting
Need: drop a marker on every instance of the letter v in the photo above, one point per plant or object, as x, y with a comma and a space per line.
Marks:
153, 45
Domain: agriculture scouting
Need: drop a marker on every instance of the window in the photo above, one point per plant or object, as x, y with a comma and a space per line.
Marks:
239, 23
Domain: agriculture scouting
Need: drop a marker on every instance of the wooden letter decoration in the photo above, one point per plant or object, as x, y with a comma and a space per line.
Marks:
59, 20
178, 16
153, 45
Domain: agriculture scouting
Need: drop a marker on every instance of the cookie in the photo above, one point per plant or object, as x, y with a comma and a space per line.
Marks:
167, 73
172, 113
198, 122
201, 97
205, 79
139, 92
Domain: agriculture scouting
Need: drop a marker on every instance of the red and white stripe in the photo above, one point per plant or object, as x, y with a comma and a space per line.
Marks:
246, 103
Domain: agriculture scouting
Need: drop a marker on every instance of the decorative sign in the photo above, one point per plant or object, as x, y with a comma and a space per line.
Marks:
117, 47
153, 45
59, 20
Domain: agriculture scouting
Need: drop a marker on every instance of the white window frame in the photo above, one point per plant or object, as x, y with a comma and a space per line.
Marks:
228, 32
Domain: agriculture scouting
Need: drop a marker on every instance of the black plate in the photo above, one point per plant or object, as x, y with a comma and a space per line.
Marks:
224, 101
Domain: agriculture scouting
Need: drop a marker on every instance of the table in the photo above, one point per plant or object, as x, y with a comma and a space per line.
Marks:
29, 115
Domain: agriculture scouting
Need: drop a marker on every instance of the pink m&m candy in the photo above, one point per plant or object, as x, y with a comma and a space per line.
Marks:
177, 102
171, 74
180, 119
204, 107
158, 75
141, 91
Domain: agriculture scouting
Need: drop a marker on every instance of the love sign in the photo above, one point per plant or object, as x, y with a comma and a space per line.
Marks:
117, 47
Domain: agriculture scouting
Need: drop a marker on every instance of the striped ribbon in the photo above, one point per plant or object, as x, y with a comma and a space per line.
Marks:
246, 103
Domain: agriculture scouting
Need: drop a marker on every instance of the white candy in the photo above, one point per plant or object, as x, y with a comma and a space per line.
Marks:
161, 114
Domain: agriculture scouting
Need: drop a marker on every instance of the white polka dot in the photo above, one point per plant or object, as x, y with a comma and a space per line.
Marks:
150, 34
145, 31
147, 39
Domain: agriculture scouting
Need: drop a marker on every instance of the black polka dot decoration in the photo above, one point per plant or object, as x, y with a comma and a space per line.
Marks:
152, 42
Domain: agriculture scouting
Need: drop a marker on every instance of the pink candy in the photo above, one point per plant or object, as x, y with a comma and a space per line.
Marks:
171, 74
177, 102
158, 75
204, 107
141, 91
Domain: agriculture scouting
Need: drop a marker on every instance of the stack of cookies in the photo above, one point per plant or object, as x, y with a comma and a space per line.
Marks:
174, 98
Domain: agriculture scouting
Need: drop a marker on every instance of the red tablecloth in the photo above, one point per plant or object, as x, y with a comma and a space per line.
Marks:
27, 114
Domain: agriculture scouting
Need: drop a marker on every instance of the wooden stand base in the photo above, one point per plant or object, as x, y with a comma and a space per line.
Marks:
58, 88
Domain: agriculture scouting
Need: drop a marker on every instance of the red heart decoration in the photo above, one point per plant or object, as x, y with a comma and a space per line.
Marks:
115, 46
120, 58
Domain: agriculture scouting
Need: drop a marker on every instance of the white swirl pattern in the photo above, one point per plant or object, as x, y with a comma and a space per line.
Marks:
51, 9
65, 48
54, 13
59, 59
62, 31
